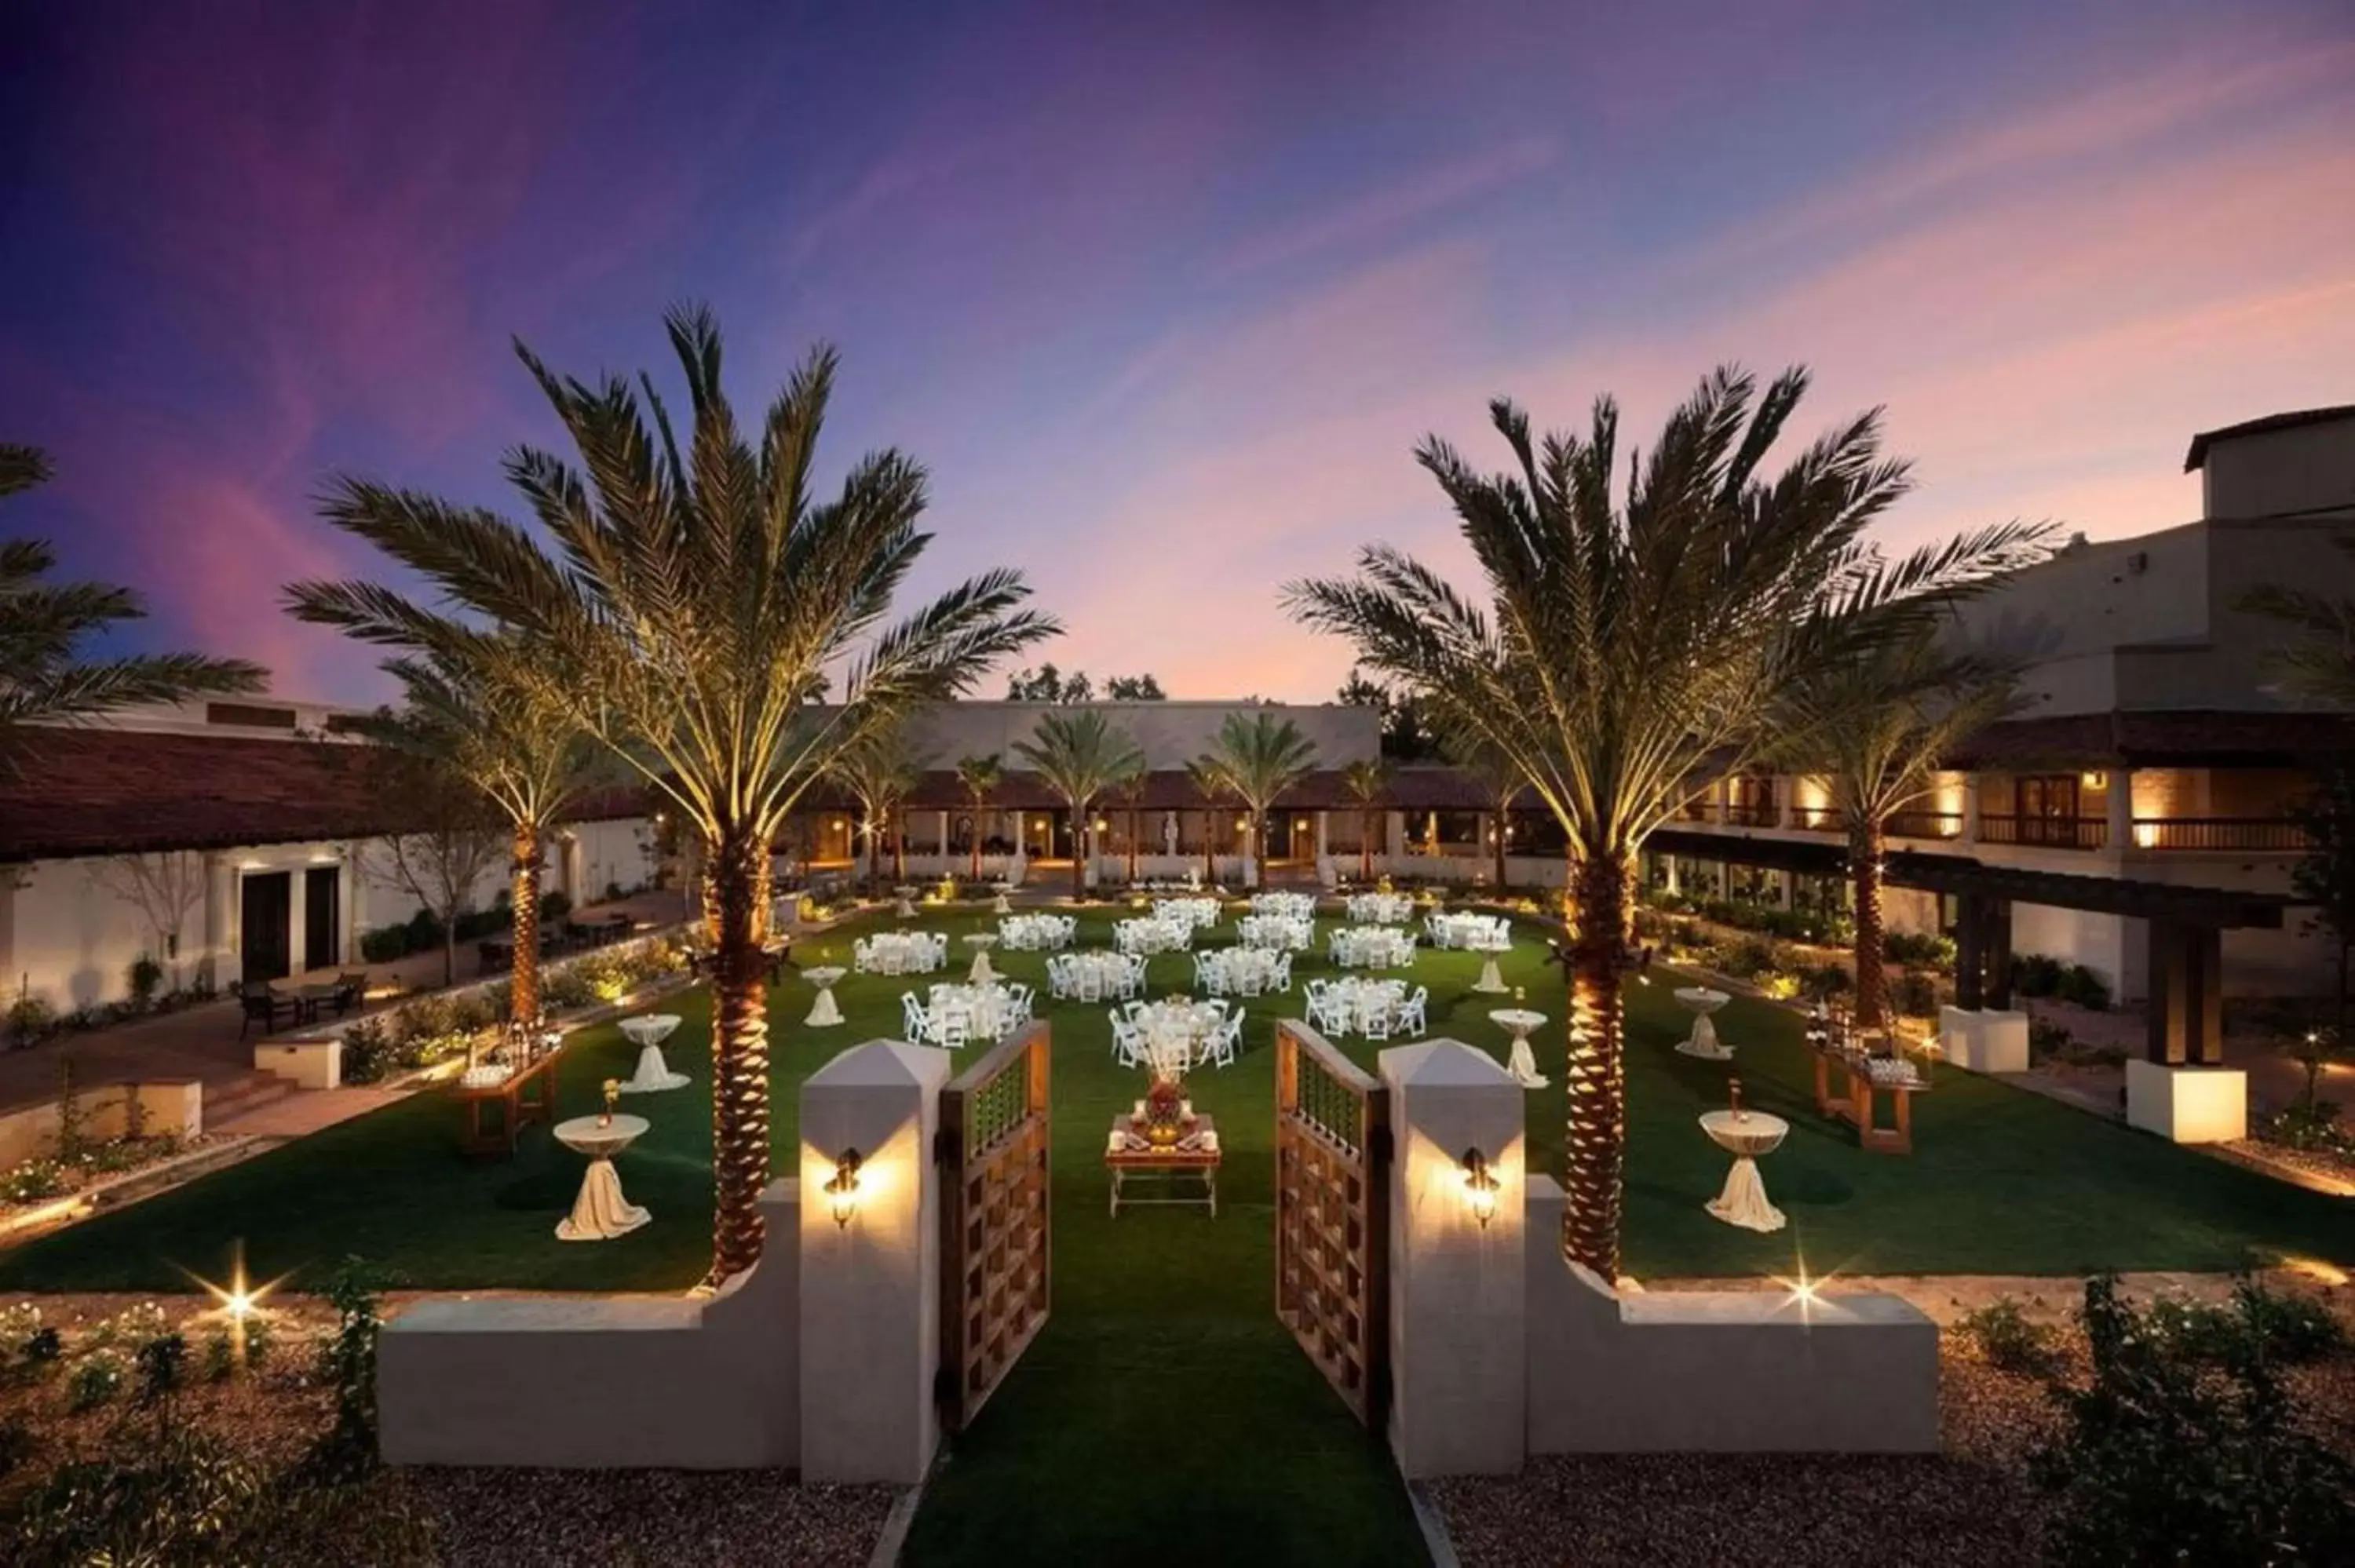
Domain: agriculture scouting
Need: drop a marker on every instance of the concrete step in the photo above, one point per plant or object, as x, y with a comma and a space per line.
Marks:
235, 1096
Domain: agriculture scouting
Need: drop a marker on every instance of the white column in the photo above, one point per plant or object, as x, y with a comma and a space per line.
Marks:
1394, 837
220, 919
11, 878
1321, 826
1670, 862
354, 903
1459, 1350
1970, 808
870, 1287
945, 834
298, 924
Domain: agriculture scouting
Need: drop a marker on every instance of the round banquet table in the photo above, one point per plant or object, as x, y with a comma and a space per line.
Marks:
1523, 1062
1745, 1135
981, 942
1703, 1041
647, 1032
601, 1213
824, 1013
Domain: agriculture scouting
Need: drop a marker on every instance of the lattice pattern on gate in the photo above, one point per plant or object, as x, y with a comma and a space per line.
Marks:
1332, 1215
994, 1229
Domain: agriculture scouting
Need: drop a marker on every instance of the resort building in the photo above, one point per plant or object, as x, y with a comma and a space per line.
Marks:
2156, 750
229, 841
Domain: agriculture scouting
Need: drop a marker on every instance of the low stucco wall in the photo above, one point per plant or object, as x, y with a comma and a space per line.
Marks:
604, 1383
175, 1106
1718, 1372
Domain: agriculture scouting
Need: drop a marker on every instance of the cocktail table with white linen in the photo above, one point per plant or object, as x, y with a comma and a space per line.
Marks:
1745, 1135
601, 1213
653, 1076
1522, 1062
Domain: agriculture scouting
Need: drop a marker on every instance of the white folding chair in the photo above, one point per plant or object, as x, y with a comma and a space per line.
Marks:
953, 1025
1281, 979
1374, 1017
919, 1023
1411, 1019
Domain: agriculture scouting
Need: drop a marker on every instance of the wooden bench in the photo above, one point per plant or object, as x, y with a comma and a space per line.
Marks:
516, 1109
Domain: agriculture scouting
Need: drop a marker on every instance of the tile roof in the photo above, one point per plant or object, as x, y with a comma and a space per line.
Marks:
2183, 739
2198, 456
100, 792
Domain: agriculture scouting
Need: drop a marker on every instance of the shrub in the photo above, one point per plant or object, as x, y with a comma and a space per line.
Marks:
97, 1378
132, 1326
17, 1445
221, 1355
2166, 1459
1750, 957
1920, 949
424, 930
367, 1053
30, 1019
555, 905
1915, 994
2082, 986
2256, 1324
2046, 1039
384, 944
1821, 982
2033, 974
566, 990
142, 979
160, 1363
32, 1181
347, 1365
2010, 1340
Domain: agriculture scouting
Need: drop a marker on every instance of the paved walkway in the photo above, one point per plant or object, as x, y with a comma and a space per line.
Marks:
205, 1042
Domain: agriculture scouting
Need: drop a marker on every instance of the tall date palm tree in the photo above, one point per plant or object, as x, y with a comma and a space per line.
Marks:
980, 776
1081, 755
1630, 646
880, 773
696, 595
1259, 758
1365, 781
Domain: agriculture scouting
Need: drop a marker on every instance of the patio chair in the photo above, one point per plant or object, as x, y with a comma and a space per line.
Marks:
1375, 1017
918, 1023
1280, 979
1411, 1013
1313, 1005
351, 990
262, 1006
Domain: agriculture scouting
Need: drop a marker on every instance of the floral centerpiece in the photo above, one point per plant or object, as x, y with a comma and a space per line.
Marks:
613, 1098
1168, 1115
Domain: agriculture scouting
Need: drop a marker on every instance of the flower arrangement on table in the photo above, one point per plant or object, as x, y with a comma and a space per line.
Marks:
613, 1098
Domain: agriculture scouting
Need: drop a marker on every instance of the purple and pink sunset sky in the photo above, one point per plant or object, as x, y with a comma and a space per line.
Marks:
1164, 295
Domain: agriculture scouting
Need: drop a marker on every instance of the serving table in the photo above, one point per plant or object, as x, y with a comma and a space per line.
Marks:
824, 1013
601, 1213
1745, 1135
517, 1108
1862, 1078
1130, 1154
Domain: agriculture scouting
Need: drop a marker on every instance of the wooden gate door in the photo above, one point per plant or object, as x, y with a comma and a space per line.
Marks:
1332, 1215
994, 1253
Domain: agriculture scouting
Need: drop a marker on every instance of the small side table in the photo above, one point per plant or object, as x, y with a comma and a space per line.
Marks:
647, 1032
824, 1014
1201, 1161
1745, 1135
601, 1213
1703, 1041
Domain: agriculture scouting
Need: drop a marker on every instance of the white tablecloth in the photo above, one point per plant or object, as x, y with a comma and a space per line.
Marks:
1521, 1061
1234, 968
601, 1213
1481, 933
1276, 931
1371, 947
1198, 912
1349, 1001
1743, 1200
824, 1013
1036, 933
1381, 908
903, 952
650, 1028
988, 1009
1285, 905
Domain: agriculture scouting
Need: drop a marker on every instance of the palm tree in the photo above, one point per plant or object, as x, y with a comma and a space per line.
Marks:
482, 706
1876, 724
1209, 782
41, 681
880, 773
695, 599
1629, 646
2319, 665
1366, 780
980, 776
1080, 754
1501, 783
1130, 788
1259, 758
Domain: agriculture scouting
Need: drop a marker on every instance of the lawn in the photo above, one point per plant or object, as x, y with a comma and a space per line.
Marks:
1141, 1425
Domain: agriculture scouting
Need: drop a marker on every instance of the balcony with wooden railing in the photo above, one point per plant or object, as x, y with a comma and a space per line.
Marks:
2259, 835
1749, 814
2044, 832
1818, 819
1926, 825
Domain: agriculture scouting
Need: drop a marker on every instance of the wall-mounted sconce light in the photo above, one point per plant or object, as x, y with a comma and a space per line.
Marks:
2097, 780
1479, 1186
842, 1192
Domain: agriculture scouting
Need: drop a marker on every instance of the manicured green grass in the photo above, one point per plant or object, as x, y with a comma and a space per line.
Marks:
1164, 1414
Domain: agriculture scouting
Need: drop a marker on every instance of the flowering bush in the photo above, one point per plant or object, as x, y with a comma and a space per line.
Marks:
32, 1181
97, 1378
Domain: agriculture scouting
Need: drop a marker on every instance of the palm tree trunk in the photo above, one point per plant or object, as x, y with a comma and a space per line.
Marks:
1135, 823
898, 852
1366, 844
976, 838
1500, 852
1594, 1155
523, 991
1079, 852
1865, 844
1210, 854
874, 859
735, 916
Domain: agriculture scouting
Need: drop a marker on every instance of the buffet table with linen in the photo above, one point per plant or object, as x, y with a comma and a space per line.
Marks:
1371, 947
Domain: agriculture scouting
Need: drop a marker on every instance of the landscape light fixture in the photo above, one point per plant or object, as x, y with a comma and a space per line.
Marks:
842, 1192
1480, 1186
